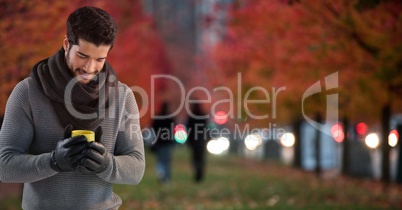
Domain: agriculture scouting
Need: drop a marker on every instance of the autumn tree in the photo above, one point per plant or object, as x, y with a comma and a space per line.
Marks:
296, 43
373, 30
34, 30
275, 45
30, 32
139, 53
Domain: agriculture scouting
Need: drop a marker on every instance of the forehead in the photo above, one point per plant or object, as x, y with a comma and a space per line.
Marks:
91, 50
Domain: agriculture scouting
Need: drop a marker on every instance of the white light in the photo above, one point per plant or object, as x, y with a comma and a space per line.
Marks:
252, 141
288, 139
393, 138
223, 143
218, 146
372, 140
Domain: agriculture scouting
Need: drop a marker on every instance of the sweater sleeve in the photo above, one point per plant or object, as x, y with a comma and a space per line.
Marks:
16, 136
128, 161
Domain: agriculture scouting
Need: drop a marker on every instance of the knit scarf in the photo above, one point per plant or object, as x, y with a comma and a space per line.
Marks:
81, 105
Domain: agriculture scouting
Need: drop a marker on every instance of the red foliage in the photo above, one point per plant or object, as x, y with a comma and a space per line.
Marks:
274, 44
33, 31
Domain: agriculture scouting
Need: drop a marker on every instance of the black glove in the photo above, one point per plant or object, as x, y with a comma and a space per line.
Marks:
95, 156
68, 152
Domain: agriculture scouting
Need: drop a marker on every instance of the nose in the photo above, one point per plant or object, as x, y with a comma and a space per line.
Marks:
89, 67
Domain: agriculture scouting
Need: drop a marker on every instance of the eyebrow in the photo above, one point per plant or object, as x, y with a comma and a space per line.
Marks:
85, 55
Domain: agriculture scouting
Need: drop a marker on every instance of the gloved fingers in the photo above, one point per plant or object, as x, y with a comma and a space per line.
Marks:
90, 164
84, 170
98, 147
98, 134
75, 159
67, 131
74, 149
93, 155
74, 140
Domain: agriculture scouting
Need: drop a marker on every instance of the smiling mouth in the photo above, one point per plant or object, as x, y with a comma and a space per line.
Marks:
83, 75
86, 76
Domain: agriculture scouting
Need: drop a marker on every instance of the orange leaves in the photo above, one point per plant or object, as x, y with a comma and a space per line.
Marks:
298, 44
30, 32
34, 30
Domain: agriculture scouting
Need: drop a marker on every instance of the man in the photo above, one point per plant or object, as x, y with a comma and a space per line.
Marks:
73, 89
196, 125
164, 143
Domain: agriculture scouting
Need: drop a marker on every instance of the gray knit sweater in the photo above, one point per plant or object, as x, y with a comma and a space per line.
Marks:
31, 131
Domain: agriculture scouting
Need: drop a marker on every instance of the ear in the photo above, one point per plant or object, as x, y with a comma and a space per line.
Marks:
65, 43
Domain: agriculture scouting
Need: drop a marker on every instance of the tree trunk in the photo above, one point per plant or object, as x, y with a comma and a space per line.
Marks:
385, 118
345, 154
318, 146
399, 163
297, 162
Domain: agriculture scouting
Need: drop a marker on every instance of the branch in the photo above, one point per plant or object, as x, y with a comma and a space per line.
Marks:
373, 51
331, 9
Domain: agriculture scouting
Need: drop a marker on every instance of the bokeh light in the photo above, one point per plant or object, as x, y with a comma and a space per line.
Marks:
372, 140
393, 138
361, 128
252, 141
180, 136
337, 132
287, 139
180, 133
220, 117
218, 146
179, 127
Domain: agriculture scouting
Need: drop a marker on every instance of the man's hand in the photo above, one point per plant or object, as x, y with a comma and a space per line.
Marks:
95, 156
68, 152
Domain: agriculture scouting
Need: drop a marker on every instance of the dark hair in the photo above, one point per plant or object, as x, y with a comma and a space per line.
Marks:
91, 24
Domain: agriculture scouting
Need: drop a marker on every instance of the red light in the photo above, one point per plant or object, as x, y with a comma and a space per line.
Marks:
393, 138
221, 117
361, 128
395, 132
179, 127
337, 132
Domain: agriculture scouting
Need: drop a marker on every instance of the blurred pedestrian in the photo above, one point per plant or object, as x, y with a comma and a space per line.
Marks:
197, 134
163, 144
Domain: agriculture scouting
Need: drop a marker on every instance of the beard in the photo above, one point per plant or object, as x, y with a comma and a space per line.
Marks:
79, 72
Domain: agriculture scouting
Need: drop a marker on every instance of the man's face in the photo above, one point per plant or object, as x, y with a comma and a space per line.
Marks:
86, 59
